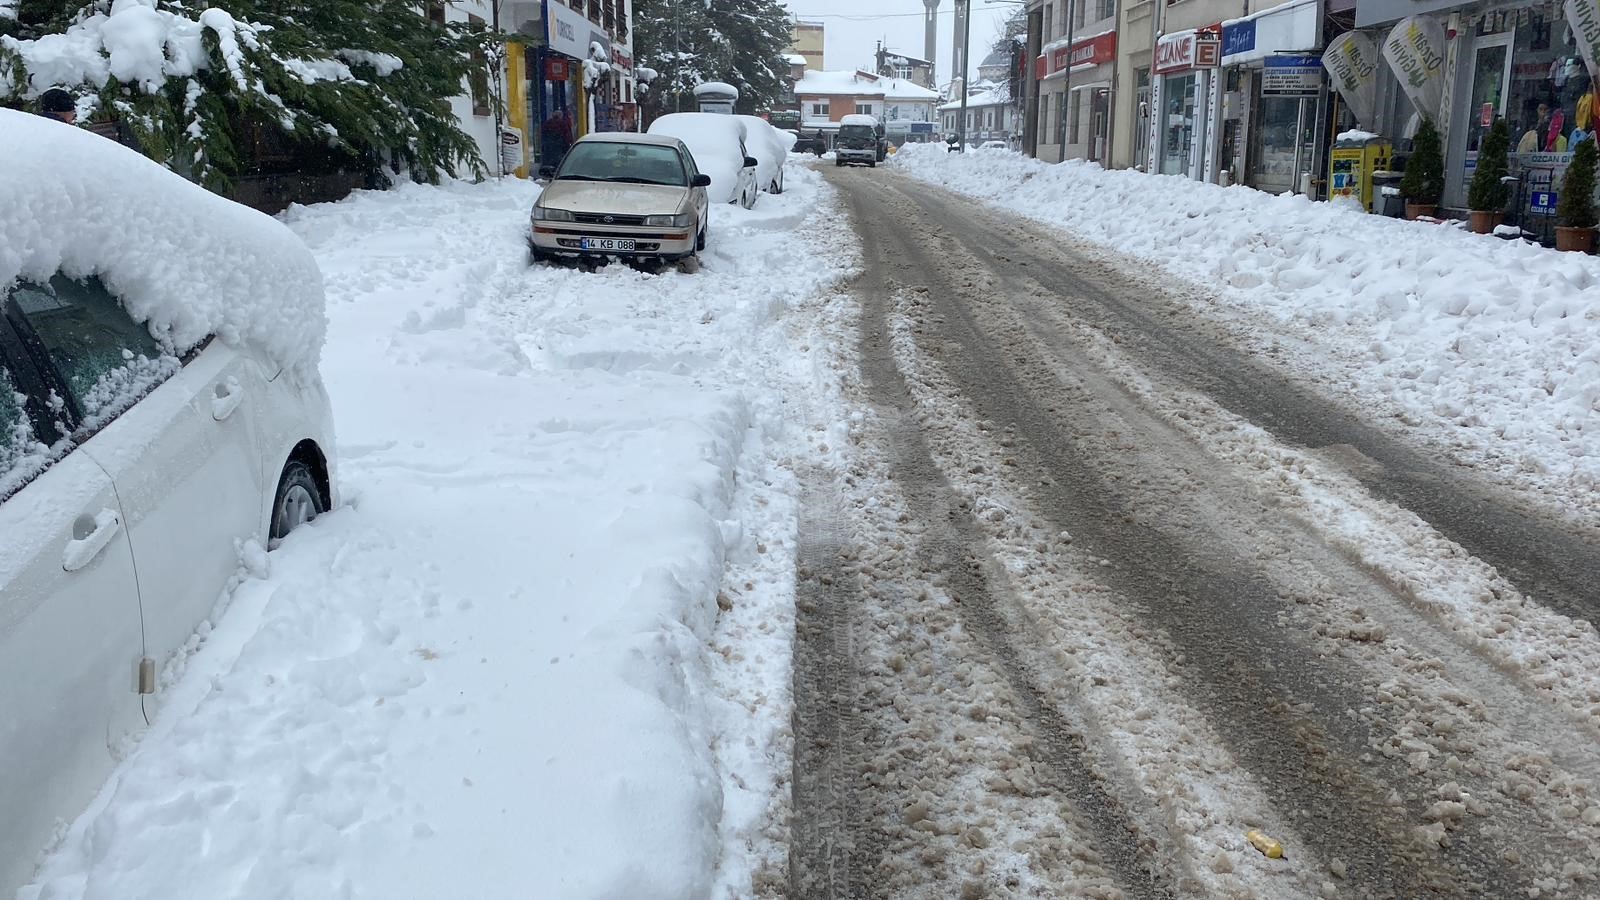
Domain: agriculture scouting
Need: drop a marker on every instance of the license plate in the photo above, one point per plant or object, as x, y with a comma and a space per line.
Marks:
619, 244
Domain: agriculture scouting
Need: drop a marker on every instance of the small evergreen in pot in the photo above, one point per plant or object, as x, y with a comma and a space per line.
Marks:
1423, 182
1575, 207
1488, 194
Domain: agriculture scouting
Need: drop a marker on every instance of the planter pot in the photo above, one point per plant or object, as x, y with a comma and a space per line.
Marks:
1484, 222
1418, 210
1579, 239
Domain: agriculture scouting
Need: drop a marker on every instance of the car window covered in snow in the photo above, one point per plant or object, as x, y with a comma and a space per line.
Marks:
107, 360
21, 454
638, 163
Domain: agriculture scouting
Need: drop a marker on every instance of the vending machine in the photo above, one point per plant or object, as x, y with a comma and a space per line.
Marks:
1356, 155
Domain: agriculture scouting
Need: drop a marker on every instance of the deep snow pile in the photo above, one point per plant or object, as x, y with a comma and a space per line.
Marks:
544, 649
73, 201
1492, 345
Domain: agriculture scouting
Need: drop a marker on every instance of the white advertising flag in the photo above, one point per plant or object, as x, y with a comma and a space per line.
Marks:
1352, 63
1415, 51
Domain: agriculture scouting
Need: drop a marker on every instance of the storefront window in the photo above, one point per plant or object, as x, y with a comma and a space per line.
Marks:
1526, 69
1178, 96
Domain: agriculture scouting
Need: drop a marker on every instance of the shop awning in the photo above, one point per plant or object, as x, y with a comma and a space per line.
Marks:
1103, 85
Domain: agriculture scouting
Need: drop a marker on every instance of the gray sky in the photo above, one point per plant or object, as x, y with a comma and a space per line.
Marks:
854, 31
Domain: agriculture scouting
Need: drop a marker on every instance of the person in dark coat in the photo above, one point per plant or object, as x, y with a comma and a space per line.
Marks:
59, 105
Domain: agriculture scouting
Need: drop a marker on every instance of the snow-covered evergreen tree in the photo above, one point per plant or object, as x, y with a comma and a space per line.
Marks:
365, 78
689, 42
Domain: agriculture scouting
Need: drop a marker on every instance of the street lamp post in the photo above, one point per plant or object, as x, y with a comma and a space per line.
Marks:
964, 13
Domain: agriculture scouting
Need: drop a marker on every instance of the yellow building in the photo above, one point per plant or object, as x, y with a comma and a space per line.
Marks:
807, 41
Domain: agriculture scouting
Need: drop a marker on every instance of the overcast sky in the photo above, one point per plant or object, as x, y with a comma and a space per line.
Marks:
853, 35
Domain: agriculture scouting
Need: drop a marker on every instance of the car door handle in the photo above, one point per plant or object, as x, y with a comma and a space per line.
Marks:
229, 394
90, 536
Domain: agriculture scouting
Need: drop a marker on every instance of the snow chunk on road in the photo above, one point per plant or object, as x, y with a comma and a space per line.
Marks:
186, 262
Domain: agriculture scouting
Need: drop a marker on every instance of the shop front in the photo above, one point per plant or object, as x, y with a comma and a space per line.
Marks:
1091, 64
1274, 96
1187, 97
558, 107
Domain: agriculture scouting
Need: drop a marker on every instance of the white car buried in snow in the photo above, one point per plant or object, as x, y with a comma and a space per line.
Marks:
720, 151
161, 421
770, 147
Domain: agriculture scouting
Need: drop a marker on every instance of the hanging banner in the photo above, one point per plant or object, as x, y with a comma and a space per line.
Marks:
1584, 17
1415, 51
1352, 62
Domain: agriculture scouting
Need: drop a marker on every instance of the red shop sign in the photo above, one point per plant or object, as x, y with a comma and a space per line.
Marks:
1091, 51
555, 69
1200, 49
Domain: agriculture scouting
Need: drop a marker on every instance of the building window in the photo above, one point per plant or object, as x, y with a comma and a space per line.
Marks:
1079, 7
1048, 11
819, 109
436, 11
863, 109
1072, 118
1106, 9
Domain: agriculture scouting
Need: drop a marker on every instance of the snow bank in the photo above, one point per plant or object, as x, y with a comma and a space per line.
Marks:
543, 650
1493, 344
186, 262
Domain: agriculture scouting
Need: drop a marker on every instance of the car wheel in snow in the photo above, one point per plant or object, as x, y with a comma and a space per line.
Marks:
689, 265
700, 239
298, 500
537, 256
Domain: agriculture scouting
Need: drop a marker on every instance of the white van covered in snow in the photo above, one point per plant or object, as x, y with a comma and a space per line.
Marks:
860, 141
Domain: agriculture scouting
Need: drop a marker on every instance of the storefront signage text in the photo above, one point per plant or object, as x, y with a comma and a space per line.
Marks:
1091, 51
1353, 62
1291, 76
1238, 37
1187, 50
1415, 51
1584, 17
568, 31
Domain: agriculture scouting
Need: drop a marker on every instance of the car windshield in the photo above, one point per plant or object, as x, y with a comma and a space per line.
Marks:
856, 132
629, 163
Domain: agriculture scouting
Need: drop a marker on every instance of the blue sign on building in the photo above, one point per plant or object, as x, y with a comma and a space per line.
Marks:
1542, 203
1239, 37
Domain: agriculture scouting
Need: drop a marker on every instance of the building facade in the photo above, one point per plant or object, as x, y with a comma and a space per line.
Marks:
827, 97
991, 116
899, 64
807, 40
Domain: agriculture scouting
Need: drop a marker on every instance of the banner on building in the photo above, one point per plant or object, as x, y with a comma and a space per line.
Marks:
1352, 62
1584, 17
1291, 75
1415, 51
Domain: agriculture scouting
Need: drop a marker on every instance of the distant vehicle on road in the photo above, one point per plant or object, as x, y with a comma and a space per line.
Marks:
809, 142
160, 409
861, 141
631, 196
994, 145
720, 150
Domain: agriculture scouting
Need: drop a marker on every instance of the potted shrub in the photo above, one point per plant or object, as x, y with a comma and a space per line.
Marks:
1575, 206
1488, 193
1423, 183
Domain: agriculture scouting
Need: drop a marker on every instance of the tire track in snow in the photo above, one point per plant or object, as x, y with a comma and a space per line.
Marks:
1285, 719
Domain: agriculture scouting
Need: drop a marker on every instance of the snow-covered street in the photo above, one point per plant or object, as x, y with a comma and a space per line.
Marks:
502, 668
951, 533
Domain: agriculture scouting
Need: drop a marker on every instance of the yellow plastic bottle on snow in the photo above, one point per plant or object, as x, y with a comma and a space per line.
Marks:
1269, 848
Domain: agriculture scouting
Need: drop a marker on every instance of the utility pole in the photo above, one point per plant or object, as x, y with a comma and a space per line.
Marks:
1068, 107
930, 46
964, 23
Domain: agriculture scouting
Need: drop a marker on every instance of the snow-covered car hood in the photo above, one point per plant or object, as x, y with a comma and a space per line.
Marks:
614, 197
185, 262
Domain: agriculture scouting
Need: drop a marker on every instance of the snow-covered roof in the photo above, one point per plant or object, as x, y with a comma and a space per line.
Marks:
860, 84
185, 261
716, 89
795, 59
908, 57
978, 98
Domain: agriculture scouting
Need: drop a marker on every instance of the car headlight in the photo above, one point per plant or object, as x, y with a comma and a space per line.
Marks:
681, 220
546, 214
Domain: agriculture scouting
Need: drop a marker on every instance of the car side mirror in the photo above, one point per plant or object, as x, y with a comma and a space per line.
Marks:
701, 181
750, 162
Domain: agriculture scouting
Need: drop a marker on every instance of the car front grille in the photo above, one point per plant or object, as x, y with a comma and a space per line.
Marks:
606, 219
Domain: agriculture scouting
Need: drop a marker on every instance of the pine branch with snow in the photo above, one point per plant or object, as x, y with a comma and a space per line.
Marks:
363, 80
